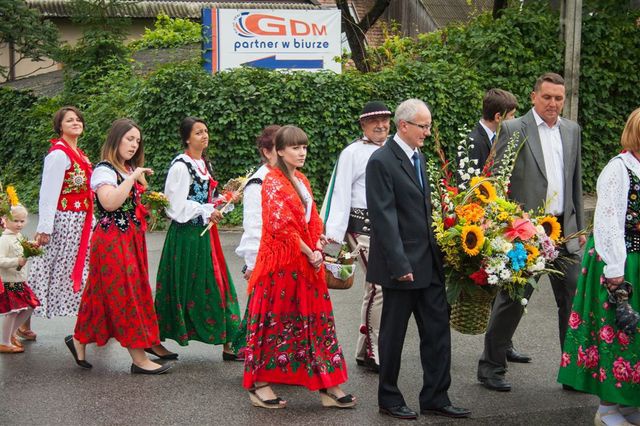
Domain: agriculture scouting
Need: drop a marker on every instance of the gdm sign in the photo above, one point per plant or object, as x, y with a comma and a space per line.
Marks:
277, 39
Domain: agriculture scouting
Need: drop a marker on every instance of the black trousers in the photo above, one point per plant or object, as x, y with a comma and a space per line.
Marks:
429, 308
506, 315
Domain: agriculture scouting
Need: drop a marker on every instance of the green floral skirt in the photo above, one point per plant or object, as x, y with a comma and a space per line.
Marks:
598, 358
190, 302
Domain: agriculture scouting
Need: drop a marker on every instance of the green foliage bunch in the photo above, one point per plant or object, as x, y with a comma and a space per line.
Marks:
169, 32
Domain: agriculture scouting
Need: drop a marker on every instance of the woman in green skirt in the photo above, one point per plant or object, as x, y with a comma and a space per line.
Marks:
195, 296
599, 357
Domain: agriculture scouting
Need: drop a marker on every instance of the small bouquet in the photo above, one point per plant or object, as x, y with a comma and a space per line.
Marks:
155, 203
30, 249
340, 269
489, 243
229, 190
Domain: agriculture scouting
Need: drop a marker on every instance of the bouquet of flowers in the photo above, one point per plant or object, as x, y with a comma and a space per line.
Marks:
30, 249
155, 203
340, 270
489, 243
230, 189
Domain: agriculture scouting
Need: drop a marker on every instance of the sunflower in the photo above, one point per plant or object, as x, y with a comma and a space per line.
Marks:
485, 190
13, 195
472, 239
551, 226
532, 253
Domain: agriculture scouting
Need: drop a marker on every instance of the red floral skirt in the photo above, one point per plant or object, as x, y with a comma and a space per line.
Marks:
17, 297
117, 300
291, 334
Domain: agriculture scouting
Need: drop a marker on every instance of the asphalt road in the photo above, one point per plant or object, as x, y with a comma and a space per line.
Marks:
44, 386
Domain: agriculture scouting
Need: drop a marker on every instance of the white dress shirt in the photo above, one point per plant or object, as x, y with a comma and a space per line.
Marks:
176, 188
406, 148
348, 188
252, 219
553, 163
56, 163
490, 133
611, 210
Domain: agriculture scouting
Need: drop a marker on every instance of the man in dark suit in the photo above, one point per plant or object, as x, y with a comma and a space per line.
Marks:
497, 106
547, 174
404, 259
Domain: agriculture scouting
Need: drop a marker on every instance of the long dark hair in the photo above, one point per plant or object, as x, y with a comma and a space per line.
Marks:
290, 135
185, 132
265, 140
109, 153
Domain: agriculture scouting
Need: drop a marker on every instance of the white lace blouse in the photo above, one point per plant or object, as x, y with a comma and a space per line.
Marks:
176, 188
611, 207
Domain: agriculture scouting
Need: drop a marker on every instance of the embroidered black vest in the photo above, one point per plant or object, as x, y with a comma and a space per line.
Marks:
198, 190
125, 214
632, 218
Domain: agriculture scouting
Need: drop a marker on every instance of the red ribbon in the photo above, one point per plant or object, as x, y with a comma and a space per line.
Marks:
84, 163
217, 256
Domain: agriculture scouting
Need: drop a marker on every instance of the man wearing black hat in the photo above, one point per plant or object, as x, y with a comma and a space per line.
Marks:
346, 218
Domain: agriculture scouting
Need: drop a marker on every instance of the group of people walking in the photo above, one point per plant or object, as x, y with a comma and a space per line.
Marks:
378, 202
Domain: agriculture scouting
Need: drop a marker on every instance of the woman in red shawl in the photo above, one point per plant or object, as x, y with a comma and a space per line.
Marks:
291, 335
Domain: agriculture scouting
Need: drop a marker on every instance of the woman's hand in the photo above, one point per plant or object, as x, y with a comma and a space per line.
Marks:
42, 239
322, 241
613, 283
139, 171
215, 217
22, 261
235, 197
315, 259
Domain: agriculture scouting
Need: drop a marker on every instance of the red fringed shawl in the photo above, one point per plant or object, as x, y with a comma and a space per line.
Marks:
283, 225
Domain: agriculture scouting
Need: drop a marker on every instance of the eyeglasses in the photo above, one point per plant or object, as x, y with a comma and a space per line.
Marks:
422, 126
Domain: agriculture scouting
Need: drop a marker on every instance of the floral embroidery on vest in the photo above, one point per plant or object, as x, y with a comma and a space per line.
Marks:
125, 214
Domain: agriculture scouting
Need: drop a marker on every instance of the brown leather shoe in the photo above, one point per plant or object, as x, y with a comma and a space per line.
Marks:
4, 349
16, 342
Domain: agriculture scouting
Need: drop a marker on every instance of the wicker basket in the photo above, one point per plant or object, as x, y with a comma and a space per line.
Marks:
332, 274
470, 314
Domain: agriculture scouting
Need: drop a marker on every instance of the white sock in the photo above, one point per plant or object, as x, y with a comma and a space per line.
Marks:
7, 328
631, 414
610, 415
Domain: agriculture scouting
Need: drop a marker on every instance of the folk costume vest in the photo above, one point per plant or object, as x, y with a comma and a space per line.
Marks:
76, 196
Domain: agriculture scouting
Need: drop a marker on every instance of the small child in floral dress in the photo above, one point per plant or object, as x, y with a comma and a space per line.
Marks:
17, 301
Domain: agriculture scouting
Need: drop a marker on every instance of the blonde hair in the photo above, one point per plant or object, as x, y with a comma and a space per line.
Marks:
630, 139
16, 209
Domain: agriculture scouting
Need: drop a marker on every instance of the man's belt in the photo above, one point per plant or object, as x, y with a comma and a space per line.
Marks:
359, 222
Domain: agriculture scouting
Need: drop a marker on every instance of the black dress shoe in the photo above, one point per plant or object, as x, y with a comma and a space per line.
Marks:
448, 411
139, 370
399, 412
495, 383
169, 356
515, 356
369, 364
72, 348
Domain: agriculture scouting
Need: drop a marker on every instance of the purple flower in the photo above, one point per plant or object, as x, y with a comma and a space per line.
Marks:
336, 360
282, 359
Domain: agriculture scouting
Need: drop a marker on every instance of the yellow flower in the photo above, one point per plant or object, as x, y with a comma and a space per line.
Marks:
485, 190
551, 227
472, 239
471, 212
13, 195
503, 216
532, 253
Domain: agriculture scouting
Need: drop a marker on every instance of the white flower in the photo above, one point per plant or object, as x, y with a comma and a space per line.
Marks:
524, 301
492, 279
466, 176
540, 229
471, 170
347, 255
490, 270
76, 204
505, 274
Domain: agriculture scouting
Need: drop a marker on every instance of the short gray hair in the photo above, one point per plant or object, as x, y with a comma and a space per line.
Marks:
407, 110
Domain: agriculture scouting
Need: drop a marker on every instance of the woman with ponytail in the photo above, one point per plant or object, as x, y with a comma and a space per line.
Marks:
195, 295
291, 335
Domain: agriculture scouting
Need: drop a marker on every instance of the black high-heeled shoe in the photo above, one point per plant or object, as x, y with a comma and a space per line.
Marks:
228, 356
330, 400
169, 356
72, 348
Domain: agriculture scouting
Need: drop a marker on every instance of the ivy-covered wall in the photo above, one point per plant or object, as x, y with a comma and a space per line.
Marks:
449, 69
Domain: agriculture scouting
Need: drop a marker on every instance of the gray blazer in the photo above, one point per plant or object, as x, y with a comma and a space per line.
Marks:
529, 178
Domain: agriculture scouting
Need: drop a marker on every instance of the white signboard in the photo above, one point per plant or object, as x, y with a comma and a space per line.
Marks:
277, 39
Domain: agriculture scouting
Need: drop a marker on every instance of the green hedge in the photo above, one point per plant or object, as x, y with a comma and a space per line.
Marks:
448, 69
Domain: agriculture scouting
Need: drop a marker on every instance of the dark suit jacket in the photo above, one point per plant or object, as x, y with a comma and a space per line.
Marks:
481, 145
402, 239
529, 178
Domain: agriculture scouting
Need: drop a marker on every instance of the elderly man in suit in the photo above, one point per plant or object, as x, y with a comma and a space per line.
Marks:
547, 174
404, 259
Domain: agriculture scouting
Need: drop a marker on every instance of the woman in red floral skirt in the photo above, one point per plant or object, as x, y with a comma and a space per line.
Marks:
117, 300
291, 334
